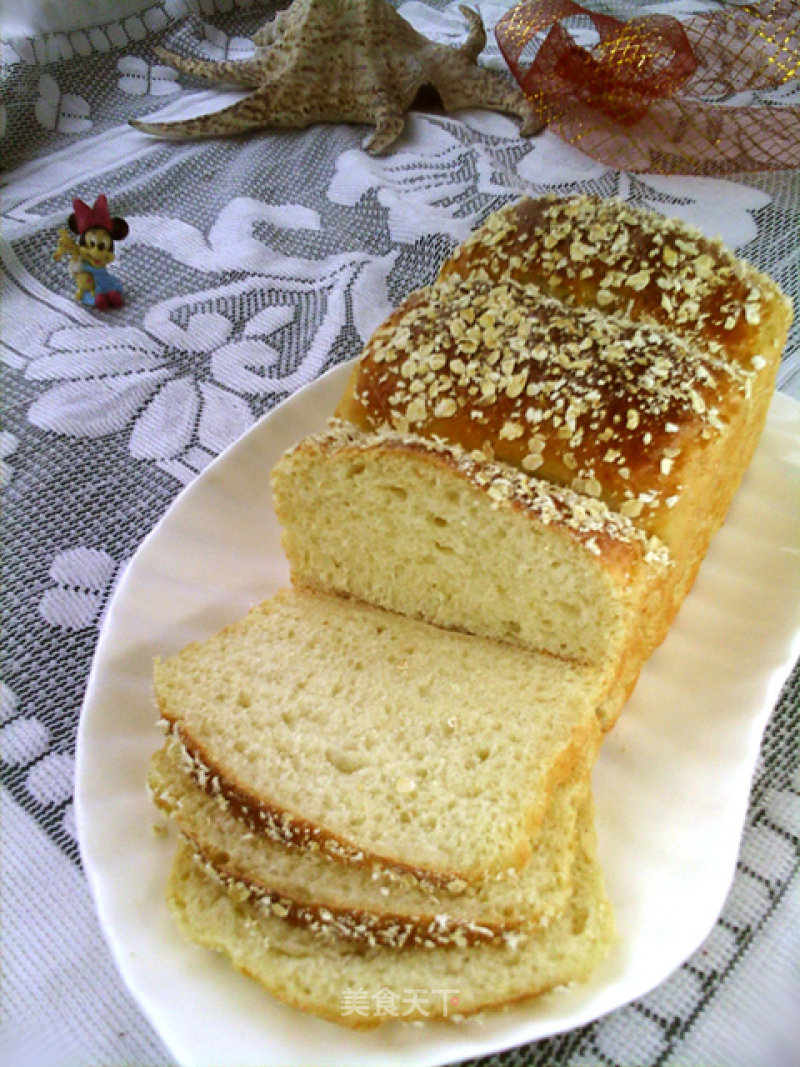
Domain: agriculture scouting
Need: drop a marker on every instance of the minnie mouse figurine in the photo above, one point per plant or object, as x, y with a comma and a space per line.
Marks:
94, 250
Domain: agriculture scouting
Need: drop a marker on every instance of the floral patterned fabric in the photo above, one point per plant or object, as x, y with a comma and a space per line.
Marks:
252, 266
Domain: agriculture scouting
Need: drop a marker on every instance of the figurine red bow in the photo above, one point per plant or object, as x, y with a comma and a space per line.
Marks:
97, 215
94, 250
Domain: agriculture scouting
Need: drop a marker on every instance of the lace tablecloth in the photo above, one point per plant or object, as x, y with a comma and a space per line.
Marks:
252, 265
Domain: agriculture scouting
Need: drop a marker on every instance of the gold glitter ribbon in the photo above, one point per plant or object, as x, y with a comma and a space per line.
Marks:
653, 94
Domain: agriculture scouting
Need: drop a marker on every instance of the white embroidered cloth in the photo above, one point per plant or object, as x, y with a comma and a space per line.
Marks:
253, 265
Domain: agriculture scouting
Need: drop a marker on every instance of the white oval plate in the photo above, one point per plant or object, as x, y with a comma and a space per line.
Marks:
671, 784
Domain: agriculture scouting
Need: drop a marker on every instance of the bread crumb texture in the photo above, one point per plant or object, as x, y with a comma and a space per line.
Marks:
319, 705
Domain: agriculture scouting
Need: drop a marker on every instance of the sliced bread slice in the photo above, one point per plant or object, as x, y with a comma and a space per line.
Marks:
373, 906
380, 738
362, 988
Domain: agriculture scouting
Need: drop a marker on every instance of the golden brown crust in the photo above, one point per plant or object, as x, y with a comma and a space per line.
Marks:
372, 929
605, 405
620, 388
606, 253
602, 347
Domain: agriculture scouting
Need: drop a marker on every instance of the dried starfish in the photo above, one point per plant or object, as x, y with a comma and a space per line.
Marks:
346, 61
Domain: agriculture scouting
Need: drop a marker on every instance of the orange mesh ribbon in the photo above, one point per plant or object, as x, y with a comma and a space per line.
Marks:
653, 94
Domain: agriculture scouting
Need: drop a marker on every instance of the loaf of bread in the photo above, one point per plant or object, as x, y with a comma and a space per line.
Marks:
342, 981
372, 905
599, 346
379, 738
381, 776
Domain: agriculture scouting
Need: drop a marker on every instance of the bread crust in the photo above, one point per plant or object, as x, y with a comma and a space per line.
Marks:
605, 253
372, 929
616, 410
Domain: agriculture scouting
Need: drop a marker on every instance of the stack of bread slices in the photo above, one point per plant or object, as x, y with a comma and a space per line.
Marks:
381, 776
